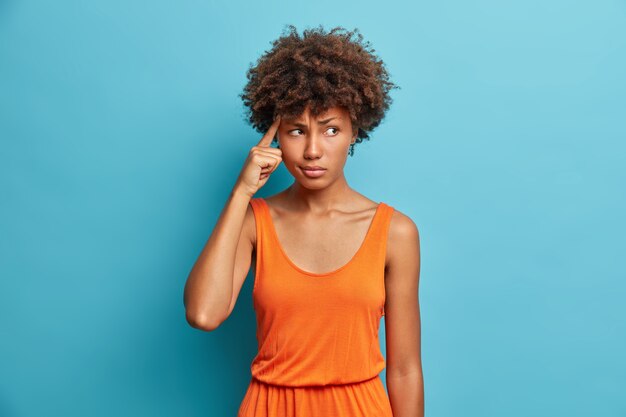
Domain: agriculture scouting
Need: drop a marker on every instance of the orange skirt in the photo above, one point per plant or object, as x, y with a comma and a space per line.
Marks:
360, 399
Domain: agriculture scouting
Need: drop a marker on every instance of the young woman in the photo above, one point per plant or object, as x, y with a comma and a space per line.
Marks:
328, 261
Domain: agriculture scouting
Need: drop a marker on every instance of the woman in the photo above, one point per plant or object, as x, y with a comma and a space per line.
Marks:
328, 261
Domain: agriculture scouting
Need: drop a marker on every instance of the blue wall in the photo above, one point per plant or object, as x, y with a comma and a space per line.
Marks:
121, 135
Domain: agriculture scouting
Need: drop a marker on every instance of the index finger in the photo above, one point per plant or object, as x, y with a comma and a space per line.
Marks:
266, 140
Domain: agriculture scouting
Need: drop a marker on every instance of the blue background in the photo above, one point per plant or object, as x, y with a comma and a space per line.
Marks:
122, 135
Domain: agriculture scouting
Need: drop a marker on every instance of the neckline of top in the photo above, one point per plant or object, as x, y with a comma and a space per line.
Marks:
336, 270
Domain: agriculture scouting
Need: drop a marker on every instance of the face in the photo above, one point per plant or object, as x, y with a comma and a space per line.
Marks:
322, 141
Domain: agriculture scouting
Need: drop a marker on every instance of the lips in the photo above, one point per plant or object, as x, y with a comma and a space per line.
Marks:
313, 172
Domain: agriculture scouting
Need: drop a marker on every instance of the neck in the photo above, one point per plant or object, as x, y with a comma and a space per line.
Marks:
320, 200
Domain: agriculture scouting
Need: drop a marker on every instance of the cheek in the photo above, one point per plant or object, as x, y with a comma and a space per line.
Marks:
289, 156
340, 150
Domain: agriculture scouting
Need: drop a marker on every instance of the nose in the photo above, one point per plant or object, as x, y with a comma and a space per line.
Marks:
313, 147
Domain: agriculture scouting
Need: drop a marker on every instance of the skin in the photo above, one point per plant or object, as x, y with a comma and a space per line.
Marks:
299, 212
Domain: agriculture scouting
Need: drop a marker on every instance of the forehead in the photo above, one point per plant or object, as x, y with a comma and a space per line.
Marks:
336, 111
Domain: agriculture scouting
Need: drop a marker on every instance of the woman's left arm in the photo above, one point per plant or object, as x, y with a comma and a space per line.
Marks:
405, 381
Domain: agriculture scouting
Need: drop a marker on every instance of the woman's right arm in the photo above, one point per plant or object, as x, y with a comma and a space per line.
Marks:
217, 276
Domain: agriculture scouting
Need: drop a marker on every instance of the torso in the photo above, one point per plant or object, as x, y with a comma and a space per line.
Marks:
321, 243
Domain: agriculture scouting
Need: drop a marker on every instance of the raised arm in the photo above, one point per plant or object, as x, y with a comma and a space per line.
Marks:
215, 280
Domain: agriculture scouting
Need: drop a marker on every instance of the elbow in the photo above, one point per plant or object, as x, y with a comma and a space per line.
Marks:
201, 322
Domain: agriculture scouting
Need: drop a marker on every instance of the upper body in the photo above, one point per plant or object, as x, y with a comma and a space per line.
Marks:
318, 95
326, 203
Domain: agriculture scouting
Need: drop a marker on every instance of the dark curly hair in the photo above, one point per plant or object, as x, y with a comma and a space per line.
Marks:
319, 69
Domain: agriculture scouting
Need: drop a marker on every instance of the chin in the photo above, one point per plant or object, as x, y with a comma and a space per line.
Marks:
309, 186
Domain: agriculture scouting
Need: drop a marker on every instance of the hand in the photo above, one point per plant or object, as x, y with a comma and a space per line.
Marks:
262, 160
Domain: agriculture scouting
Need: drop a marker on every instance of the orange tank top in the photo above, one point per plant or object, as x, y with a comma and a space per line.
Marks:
318, 329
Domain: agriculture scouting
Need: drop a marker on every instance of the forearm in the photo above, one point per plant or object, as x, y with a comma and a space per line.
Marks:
209, 287
406, 394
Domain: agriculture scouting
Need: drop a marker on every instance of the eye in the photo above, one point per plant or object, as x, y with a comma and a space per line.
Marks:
300, 130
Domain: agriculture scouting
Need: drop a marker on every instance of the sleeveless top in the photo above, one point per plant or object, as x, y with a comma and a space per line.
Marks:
316, 329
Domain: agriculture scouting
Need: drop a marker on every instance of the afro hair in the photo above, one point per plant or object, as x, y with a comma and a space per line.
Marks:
320, 70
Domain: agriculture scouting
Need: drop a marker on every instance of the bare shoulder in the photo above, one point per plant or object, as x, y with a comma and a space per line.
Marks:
402, 226
403, 238
249, 227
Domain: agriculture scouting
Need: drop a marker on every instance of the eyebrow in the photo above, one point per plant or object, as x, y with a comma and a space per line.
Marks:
320, 122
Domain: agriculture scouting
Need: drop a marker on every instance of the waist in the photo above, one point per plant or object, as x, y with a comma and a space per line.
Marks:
371, 380
355, 399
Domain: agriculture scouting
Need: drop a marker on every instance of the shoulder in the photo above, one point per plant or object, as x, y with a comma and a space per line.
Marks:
402, 227
252, 217
403, 237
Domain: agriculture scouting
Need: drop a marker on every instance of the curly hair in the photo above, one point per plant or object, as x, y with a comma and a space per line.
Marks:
318, 69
